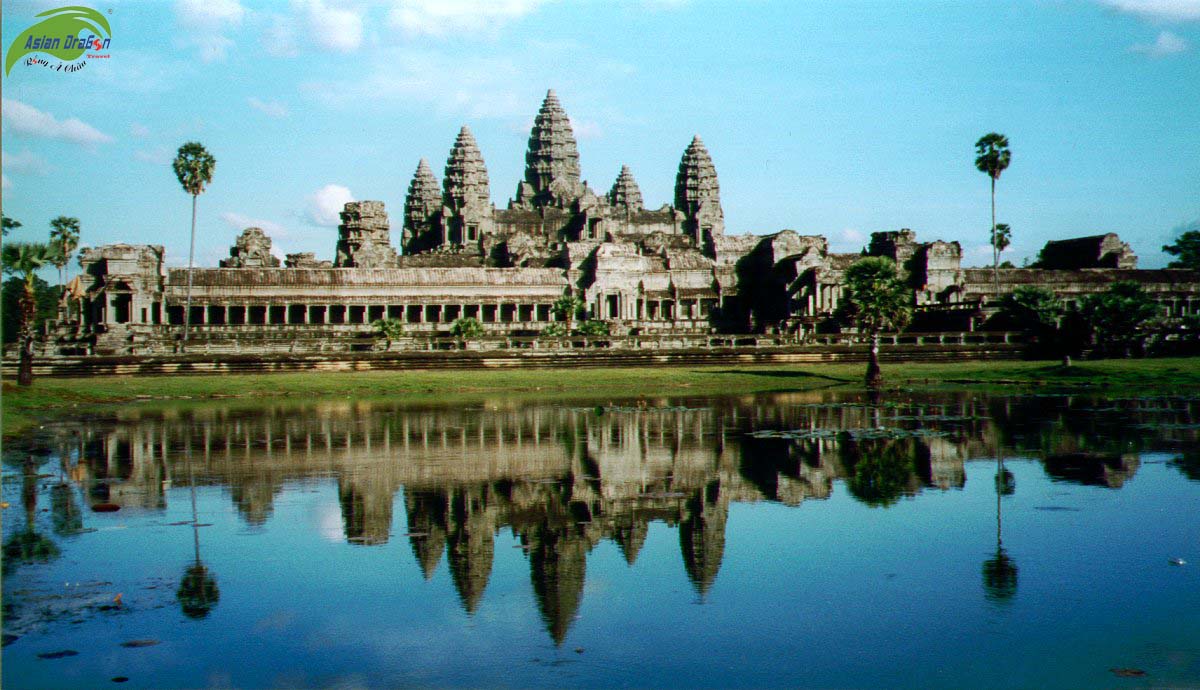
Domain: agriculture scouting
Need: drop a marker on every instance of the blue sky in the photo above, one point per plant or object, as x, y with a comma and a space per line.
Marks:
837, 119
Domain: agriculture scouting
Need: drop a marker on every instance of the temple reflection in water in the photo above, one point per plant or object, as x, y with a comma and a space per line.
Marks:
564, 479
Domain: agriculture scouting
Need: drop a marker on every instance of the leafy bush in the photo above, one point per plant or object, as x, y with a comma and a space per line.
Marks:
388, 329
594, 328
1119, 316
555, 330
467, 328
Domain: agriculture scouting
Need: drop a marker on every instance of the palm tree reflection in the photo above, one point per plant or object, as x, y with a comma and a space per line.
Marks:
28, 546
1000, 571
198, 593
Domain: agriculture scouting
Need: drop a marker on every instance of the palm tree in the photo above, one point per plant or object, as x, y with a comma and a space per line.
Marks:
877, 300
992, 157
467, 328
194, 167
8, 224
389, 329
24, 259
1001, 238
64, 235
566, 308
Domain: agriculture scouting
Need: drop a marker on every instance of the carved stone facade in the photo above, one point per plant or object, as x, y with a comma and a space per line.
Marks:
252, 250
671, 270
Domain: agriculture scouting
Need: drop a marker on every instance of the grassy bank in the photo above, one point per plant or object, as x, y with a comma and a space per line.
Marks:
54, 398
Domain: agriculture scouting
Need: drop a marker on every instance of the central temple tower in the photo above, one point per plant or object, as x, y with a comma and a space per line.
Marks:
552, 161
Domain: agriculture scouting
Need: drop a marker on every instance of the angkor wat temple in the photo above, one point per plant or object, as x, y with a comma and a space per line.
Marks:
670, 270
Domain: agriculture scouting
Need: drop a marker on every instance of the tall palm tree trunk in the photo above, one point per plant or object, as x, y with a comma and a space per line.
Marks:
995, 253
187, 302
28, 307
874, 373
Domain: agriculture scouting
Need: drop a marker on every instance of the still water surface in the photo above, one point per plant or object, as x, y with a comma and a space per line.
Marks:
802, 539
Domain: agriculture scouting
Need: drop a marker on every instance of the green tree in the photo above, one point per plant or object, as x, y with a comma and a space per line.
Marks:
1119, 316
1186, 247
594, 328
194, 167
64, 235
24, 259
389, 329
467, 328
45, 297
992, 157
877, 300
1035, 310
567, 308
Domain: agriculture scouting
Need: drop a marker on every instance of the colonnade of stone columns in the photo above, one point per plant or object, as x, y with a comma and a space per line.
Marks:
306, 313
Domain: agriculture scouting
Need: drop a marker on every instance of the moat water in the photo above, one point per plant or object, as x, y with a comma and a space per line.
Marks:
781, 540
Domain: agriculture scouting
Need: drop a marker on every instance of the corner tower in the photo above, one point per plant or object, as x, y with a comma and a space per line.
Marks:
422, 211
467, 212
698, 195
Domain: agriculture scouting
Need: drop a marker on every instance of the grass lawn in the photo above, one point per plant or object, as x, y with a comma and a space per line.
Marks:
49, 399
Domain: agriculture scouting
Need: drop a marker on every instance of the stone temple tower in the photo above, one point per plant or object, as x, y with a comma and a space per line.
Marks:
422, 211
468, 212
698, 195
552, 161
626, 195
364, 237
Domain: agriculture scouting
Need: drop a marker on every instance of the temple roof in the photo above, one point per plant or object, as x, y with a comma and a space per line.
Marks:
352, 277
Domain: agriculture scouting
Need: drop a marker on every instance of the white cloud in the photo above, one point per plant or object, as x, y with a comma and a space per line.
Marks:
204, 23
848, 240
478, 87
444, 17
25, 162
211, 15
587, 129
1166, 44
314, 24
139, 130
239, 222
325, 204
851, 236
1159, 10
339, 29
24, 119
159, 155
978, 255
268, 108
281, 37
5, 183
